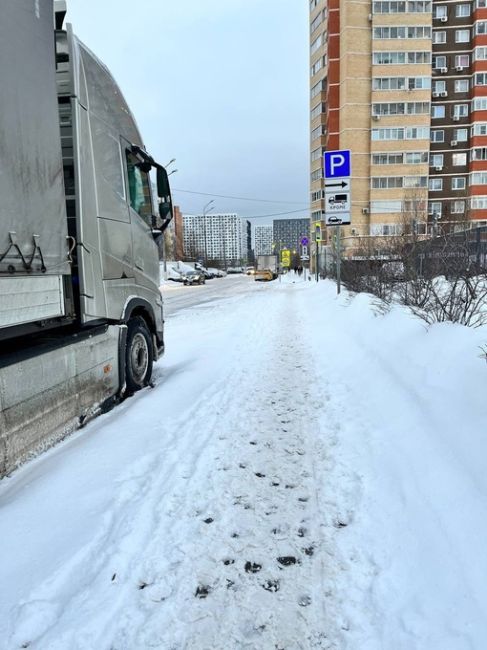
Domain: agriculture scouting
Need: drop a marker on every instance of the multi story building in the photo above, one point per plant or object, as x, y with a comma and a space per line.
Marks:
222, 238
403, 85
288, 233
263, 239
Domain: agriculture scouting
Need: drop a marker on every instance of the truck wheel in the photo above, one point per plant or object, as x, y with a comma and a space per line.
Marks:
139, 355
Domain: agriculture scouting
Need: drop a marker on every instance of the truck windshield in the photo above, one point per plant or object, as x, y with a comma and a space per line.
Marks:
139, 189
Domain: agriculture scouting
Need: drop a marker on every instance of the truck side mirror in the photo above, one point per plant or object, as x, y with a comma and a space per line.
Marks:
164, 194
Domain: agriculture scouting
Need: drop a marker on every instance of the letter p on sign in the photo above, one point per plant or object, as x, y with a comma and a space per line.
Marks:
337, 164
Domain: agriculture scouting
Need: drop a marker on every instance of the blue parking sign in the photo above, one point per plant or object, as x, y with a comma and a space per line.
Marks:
337, 163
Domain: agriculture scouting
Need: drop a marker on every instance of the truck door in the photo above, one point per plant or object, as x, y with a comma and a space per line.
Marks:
145, 256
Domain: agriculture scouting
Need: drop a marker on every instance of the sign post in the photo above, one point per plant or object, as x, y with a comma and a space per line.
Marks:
317, 242
337, 173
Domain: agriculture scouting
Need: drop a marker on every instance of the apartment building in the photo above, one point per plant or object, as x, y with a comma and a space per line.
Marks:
288, 234
403, 85
222, 238
263, 240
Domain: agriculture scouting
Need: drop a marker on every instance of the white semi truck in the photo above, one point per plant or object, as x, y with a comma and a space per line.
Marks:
81, 318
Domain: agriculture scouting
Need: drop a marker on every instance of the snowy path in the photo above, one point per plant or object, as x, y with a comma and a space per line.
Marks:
264, 495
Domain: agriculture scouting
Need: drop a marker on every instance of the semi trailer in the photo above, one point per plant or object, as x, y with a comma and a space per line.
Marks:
81, 314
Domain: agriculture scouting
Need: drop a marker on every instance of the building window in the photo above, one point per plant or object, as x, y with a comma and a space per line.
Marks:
457, 207
479, 202
436, 160
434, 207
459, 159
462, 61
386, 182
318, 110
415, 157
316, 44
401, 133
316, 154
479, 54
316, 67
481, 27
400, 7
479, 104
460, 110
478, 178
437, 111
318, 132
480, 128
387, 158
436, 184
439, 62
415, 83
438, 135
317, 174
439, 37
402, 32
461, 86
480, 79
439, 87
317, 21
462, 11
415, 181
398, 58
458, 183
461, 135
318, 88
441, 11
462, 35
389, 83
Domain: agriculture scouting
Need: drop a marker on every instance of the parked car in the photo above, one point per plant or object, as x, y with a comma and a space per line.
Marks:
194, 277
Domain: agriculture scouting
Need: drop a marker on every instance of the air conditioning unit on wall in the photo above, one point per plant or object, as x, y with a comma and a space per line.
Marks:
365, 210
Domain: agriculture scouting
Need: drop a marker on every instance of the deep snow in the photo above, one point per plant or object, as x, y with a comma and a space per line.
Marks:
307, 473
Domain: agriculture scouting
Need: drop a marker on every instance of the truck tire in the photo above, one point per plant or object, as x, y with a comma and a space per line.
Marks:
139, 355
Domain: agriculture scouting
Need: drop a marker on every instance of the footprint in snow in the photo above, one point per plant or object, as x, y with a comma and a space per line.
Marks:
202, 591
271, 585
288, 560
252, 567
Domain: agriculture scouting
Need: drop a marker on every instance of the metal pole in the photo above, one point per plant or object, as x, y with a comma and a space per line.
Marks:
339, 257
204, 229
316, 261
204, 235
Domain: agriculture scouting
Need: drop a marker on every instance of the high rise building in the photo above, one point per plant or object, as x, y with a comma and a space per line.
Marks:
222, 238
403, 85
263, 239
288, 233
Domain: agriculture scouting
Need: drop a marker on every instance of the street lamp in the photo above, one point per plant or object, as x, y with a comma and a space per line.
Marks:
206, 209
170, 162
173, 172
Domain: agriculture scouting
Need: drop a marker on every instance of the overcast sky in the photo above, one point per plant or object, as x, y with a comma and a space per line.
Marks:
220, 85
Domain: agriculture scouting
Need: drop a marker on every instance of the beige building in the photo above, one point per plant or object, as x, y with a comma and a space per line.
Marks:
397, 83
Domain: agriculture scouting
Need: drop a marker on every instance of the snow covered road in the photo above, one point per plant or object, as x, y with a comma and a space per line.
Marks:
293, 481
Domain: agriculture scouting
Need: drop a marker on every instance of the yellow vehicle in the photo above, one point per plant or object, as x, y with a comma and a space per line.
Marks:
264, 275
